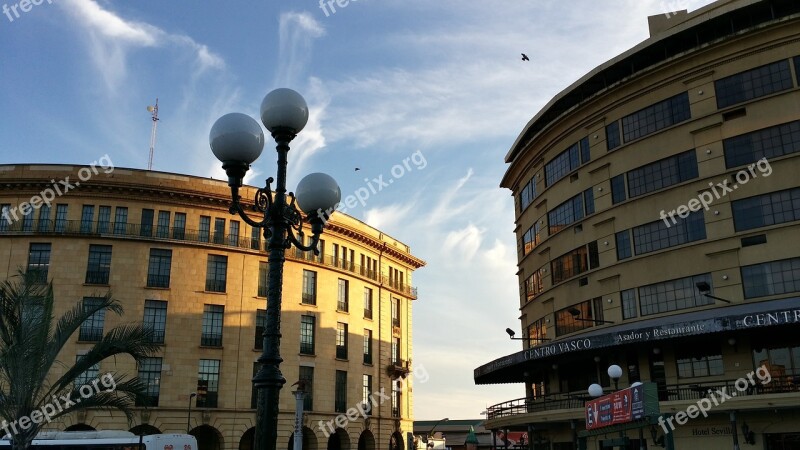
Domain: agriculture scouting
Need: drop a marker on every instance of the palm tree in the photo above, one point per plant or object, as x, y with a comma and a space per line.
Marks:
32, 393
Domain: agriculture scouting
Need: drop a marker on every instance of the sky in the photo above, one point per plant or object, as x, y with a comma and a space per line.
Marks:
434, 87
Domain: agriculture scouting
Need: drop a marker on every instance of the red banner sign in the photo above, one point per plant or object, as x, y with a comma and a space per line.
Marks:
618, 407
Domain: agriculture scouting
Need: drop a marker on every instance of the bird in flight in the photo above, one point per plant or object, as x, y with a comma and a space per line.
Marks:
525, 57
357, 169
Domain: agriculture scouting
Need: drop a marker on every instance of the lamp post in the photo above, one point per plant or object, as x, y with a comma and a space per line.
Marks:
511, 334
705, 290
576, 316
430, 434
237, 140
189, 418
615, 373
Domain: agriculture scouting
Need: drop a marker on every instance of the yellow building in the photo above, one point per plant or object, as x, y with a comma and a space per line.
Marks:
171, 253
658, 213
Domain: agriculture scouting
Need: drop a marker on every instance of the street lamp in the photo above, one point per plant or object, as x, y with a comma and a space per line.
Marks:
615, 373
189, 418
237, 140
577, 312
430, 434
511, 334
705, 289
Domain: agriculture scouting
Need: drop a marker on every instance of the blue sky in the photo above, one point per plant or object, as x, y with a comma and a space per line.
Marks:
385, 80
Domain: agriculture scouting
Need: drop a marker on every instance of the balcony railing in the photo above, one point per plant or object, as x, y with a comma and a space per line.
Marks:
675, 392
215, 285
90, 334
149, 232
262, 291
368, 314
161, 281
211, 340
398, 368
341, 352
97, 276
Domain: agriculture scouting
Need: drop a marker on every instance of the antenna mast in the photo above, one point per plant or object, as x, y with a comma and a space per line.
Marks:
154, 111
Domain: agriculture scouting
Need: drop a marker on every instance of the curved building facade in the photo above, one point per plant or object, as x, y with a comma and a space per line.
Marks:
167, 248
657, 214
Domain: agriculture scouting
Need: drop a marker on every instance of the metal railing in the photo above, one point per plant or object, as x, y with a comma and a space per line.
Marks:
90, 334
161, 281
211, 340
215, 285
97, 276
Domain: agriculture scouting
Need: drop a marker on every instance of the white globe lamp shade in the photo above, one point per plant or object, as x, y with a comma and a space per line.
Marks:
284, 108
636, 383
615, 372
236, 137
595, 390
318, 192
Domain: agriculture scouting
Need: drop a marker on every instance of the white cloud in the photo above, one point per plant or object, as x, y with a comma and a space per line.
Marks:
297, 32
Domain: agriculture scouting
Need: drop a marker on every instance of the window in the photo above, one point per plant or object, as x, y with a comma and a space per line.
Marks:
588, 201
533, 285
233, 233
263, 278
158, 269
527, 194
753, 83
39, 262
531, 238
120, 220
657, 235
673, 295
537, 332
567, 322
179, 226
309, 287
146, 228
661, 174
212, 326
44, 218
103, 219
307, 375
98, 268
782, 359
586, 154
367, 303
5, 215
92, 328
618, 189
87, 217
699, 363
255, 238
767, 209
27, 219
575, 262
88, 376
216, 273
155, 318
207, 383
366, 394
395, 312
150, 375
396, 360
344, 303
612, 136
628, 297
261, 324
564, 163
797, 68
61, 217
569, 212
623, 239
771, 278
656, 117
219, 230
767, 143
205, 227
367, 346
341, 340
162, 230
253, 390
396, 391
341, 392
307, 334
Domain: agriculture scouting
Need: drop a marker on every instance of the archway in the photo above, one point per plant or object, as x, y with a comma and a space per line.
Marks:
396, 441
366, 441
309, 440
208, 438
80, 427
144, 430
246, 442
339, 440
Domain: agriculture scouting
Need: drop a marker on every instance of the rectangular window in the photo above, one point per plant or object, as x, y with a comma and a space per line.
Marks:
367, 303
219, 230
216, 273
103, 219
623, 239
88, 376
396, 392
766, 143
27, 220
87, 218
253, 390
150, 375
673, 295
564, 163
309, 287
179, 226
574, 318
162, 229
61, 218
341, 340
797, 68
261, 323
656, 117
573, 263
753, 83
567, 213
343, 303
534, 285
367, 346
39, 262
233, 233
628, 297
588, 201
255, 238
155, 318
340, 405
699, 362
307, 325
146, 227
396, 359
532, 237
586, 155
612, 136
120, 220
205, 228
395, 312
767, 209
212, 326
307, 375
207, 383
655, 236
527, 194
158, 269
44, 218
5, 215
618, 189
263, 278
663, 173
98, 269
366, 394
537, 332
92, 328
771, 278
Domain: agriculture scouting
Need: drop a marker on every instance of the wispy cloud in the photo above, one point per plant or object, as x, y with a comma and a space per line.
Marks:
297, 31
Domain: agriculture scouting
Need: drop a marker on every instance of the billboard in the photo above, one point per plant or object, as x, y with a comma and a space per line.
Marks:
618, 407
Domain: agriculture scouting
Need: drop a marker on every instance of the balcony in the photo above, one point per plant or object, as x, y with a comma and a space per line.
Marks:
215, 285
97, 276
90, 334
159, 281
398, 368
211, 340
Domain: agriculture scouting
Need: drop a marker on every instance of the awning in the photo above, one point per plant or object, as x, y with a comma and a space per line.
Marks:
715, 320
